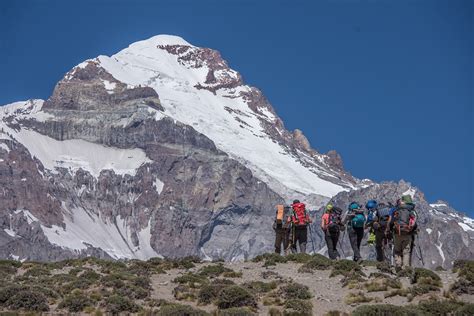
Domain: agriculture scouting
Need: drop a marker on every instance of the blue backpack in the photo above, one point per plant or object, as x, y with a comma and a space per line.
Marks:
358, 220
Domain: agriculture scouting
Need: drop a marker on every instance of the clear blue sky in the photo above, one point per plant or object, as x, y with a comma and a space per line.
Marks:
388, 84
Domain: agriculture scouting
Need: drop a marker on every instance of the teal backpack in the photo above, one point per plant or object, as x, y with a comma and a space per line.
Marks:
358, 221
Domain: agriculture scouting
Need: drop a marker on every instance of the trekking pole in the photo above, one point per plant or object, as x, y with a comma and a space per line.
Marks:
311, 237
340, 243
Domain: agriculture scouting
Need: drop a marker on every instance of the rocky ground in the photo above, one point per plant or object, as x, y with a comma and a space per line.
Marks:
269, 285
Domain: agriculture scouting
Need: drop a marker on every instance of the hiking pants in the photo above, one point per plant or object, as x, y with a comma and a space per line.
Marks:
300, 238
380, 241
281, 237
331, 242
355, 237
401, 249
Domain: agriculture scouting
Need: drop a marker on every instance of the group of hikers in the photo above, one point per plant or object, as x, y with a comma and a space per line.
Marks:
391, 229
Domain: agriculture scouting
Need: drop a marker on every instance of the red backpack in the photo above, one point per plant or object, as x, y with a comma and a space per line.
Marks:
299, 218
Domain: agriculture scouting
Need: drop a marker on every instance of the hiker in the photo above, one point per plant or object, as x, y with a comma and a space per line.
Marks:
281, 228
381, 227
355, 220
371, 207
331, 225
299, 226
404, 220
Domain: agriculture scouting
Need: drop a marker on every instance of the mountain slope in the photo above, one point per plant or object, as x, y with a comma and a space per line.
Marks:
160, 149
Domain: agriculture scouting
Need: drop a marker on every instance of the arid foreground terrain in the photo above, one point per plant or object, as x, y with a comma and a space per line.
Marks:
269, 285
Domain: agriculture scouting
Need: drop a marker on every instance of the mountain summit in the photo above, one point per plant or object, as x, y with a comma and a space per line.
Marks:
163, 150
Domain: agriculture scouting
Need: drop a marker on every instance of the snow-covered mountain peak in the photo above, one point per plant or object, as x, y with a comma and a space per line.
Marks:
161, 39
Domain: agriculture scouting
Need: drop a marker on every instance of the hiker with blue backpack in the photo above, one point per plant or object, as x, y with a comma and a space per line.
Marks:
355, 220
383, 233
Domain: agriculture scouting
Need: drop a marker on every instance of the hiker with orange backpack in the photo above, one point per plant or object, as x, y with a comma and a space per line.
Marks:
299, 221
281, 227
331, 224
404, 220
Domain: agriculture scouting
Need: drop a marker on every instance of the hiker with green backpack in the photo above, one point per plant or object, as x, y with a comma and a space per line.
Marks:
404, 226
355, 220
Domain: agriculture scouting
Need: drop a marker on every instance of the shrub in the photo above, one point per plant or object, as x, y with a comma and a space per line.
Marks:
259, 287
37, 270
237, 311
213, 270
117, 304
297, 307
76, 302
194, 280
273, 311
270, 259
296, 291
232, 274
376, 286
425, 276
438, 307
344, 267
359, 297
467, 309
235, 296
382, 309
132, 291
28, 300
90, 275
384, 267
179, 310
184, 292
209, 293
318, 262
299, 257
463, 286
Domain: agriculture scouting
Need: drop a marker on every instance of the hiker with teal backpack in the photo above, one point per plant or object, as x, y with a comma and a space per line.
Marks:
404, 220
355, 220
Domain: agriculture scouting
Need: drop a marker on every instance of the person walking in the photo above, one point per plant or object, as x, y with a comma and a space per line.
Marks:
404, 219
300, 220
281, 228
355, 221
331, 224
381, 227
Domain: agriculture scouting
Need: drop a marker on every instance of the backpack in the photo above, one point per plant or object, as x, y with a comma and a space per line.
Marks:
404, 219
280, 214
334, 221
383, 216
299, 214
358, 220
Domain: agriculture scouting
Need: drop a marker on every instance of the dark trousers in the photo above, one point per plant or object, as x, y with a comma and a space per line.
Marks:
380, 241
300, 238
355, 237
331, 242
281, 237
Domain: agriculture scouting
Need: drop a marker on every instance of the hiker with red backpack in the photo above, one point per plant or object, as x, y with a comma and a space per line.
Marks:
404, 226
355, 220
281, 227
331, 224
299, 221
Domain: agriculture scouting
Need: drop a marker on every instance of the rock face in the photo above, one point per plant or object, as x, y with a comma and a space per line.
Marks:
162, 149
